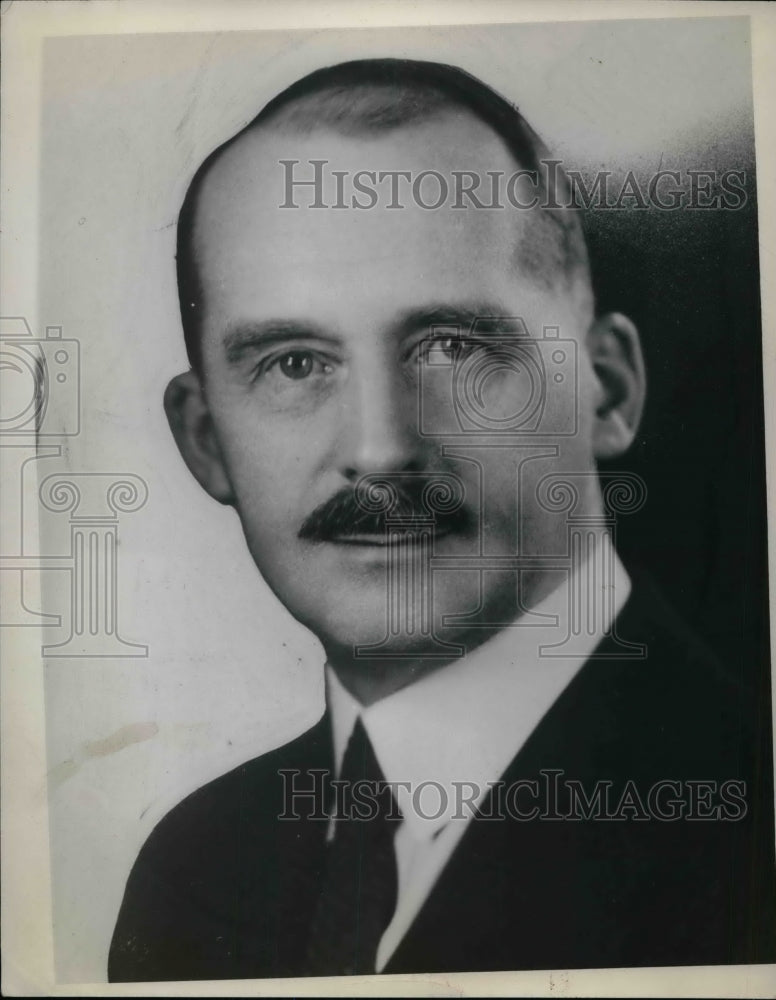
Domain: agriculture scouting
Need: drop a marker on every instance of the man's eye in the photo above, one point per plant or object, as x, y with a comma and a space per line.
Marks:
440, 349
296, 365
443, 350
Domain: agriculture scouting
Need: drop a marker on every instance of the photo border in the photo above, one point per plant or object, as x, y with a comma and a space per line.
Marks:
27, 934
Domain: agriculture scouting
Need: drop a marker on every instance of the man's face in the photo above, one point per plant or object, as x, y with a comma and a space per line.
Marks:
322, 345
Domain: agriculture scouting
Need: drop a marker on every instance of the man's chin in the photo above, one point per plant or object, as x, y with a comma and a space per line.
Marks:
367, 599
365, 621
379, 648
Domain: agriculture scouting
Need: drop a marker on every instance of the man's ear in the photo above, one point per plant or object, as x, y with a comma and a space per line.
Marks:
192, 427
615, 353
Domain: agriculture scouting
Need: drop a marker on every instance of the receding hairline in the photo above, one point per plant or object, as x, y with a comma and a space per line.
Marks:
345, 100
361, 110
304, 123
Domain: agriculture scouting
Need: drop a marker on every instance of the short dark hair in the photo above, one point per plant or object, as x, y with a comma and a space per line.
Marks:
373, 95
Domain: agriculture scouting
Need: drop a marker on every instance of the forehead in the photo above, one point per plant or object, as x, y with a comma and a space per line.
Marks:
256, 256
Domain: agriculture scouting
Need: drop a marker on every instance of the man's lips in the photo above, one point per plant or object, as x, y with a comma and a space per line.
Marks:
383, 539
344, 520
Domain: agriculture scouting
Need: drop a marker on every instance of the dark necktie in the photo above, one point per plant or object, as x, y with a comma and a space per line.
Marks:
359, 887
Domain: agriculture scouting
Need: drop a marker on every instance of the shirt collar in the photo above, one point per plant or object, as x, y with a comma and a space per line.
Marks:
465, 722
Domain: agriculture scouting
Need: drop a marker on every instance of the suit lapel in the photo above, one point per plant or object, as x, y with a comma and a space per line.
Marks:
511, 889
284, 856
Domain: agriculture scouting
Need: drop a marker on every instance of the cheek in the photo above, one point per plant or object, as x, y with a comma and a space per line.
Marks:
267, 475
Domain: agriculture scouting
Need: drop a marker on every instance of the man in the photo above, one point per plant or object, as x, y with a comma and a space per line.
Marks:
405, 397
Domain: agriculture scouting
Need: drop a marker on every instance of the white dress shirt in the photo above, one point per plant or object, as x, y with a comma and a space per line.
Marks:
465, 722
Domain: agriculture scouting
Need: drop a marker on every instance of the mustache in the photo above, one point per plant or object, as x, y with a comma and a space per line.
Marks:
342, 516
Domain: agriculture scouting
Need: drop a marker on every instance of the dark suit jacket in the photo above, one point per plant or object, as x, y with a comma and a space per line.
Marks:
223, 889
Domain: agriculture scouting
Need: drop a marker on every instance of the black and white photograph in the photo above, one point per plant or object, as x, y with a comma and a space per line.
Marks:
385, 511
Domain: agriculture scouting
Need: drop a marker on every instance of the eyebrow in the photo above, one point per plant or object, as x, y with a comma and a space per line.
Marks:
494, 314
245, 336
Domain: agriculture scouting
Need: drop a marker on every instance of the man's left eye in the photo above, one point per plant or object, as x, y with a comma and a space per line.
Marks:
440, 350
443, 347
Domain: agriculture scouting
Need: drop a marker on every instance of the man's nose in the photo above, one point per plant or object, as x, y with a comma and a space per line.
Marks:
380, 430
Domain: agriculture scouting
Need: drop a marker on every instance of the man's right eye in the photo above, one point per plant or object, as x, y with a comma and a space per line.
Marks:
295, 365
